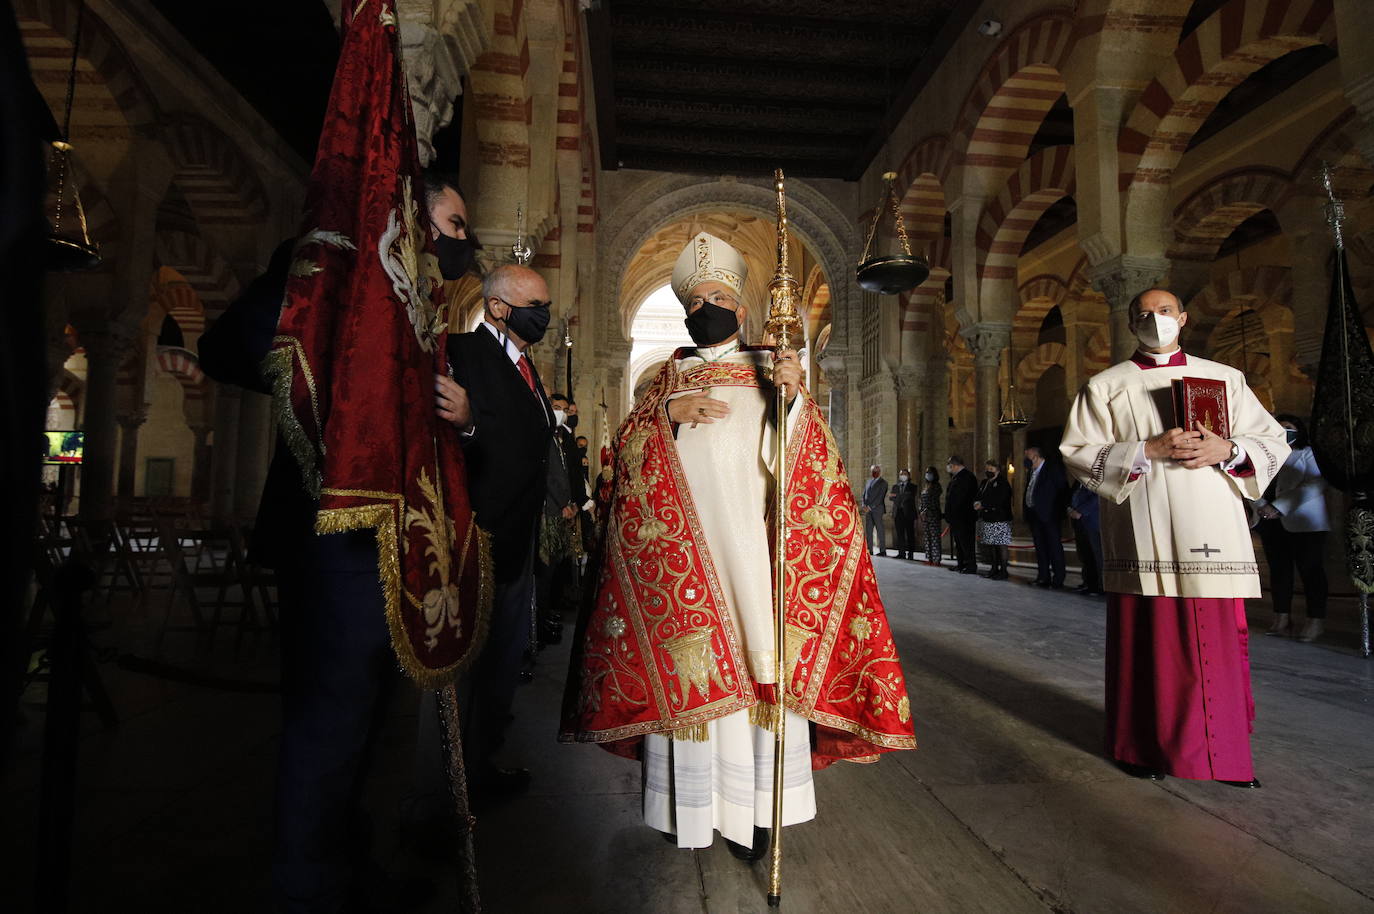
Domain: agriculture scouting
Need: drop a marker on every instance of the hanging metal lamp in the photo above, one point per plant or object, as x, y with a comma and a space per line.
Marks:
899, 271
1013, 417
69, 247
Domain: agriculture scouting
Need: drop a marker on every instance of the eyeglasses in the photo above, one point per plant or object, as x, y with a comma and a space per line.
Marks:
719, 299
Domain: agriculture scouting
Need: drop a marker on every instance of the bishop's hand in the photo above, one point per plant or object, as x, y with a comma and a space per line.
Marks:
787, 372
695, 409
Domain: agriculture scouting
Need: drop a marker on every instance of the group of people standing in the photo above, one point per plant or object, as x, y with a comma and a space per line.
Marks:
979, 512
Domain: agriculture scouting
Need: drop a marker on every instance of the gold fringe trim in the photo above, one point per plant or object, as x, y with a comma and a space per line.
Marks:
766, 716
382, 519
697, 734
277, 368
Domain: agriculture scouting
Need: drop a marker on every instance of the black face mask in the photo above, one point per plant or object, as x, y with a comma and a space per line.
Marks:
711, 324
572, 421
989, 473
455, 255
528, 323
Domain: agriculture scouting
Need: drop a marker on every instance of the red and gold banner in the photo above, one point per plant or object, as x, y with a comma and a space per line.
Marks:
360, 338
659, 652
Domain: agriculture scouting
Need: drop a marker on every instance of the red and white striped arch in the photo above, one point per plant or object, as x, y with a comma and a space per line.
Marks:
1008, 101
1207, 218
216, 179
109, 87
1038, 361
1228, 46
206, 271
921, 182
183, 365
1005, 222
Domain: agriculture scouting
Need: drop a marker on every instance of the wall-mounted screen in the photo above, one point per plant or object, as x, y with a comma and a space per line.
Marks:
63, 447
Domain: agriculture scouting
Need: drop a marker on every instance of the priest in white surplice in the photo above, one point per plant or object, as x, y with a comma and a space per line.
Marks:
1178, 561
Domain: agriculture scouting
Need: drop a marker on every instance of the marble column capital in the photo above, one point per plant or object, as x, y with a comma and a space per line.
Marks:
103, 337
910, 380
130, 421
986, 340
1123, 277
834, 368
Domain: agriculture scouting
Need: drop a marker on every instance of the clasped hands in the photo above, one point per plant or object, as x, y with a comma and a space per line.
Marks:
703, 409
1194, 449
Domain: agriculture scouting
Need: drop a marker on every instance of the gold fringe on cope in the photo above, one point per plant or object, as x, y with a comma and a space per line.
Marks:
383, 520
766, 716
699, 733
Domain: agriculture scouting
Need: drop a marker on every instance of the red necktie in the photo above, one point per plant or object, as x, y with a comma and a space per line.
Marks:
526, 372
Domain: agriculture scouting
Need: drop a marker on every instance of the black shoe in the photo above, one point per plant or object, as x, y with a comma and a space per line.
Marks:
973, 570
1002, 575
750, 854
1054, 586
953, 568
1252, 784
1140, 771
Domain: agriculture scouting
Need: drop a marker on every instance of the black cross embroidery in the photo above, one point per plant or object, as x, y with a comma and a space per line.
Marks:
1206, 551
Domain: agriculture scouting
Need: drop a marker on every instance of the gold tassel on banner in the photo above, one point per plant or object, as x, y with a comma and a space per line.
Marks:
783, 323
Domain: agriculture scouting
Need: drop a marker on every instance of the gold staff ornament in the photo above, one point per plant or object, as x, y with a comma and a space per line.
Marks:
783, 322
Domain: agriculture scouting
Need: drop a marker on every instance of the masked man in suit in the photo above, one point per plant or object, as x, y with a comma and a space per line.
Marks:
505, 424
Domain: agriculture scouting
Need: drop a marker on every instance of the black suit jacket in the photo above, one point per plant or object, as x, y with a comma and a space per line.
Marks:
1051, 489
508, 451
903, 497
959, 498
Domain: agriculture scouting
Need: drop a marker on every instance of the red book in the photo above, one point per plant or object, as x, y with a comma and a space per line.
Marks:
1202, 400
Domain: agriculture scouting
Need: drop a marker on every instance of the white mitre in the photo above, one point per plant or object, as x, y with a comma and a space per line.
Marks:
708, 259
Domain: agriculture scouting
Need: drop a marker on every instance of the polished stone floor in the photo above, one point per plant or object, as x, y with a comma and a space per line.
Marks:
1006, 807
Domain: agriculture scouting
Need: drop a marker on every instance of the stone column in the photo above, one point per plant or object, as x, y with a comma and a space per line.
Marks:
440, 40
1311, 294
250, 470
911, 402
201, 464
986, 340
107, 343
129, 424
1121, 279
224, 453
1355, 28
837, 380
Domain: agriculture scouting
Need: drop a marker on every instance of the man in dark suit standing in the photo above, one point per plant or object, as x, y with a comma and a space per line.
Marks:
903, 498
1087, 534
505, 424
959, 511
874, 507
554, 574
1044, 504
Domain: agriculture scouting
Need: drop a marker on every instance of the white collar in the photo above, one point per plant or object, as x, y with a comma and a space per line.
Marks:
512, 351
1159, 358
713, 353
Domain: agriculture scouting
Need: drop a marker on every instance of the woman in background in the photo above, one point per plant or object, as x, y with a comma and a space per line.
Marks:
1293, 525
931, 519
994, 518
